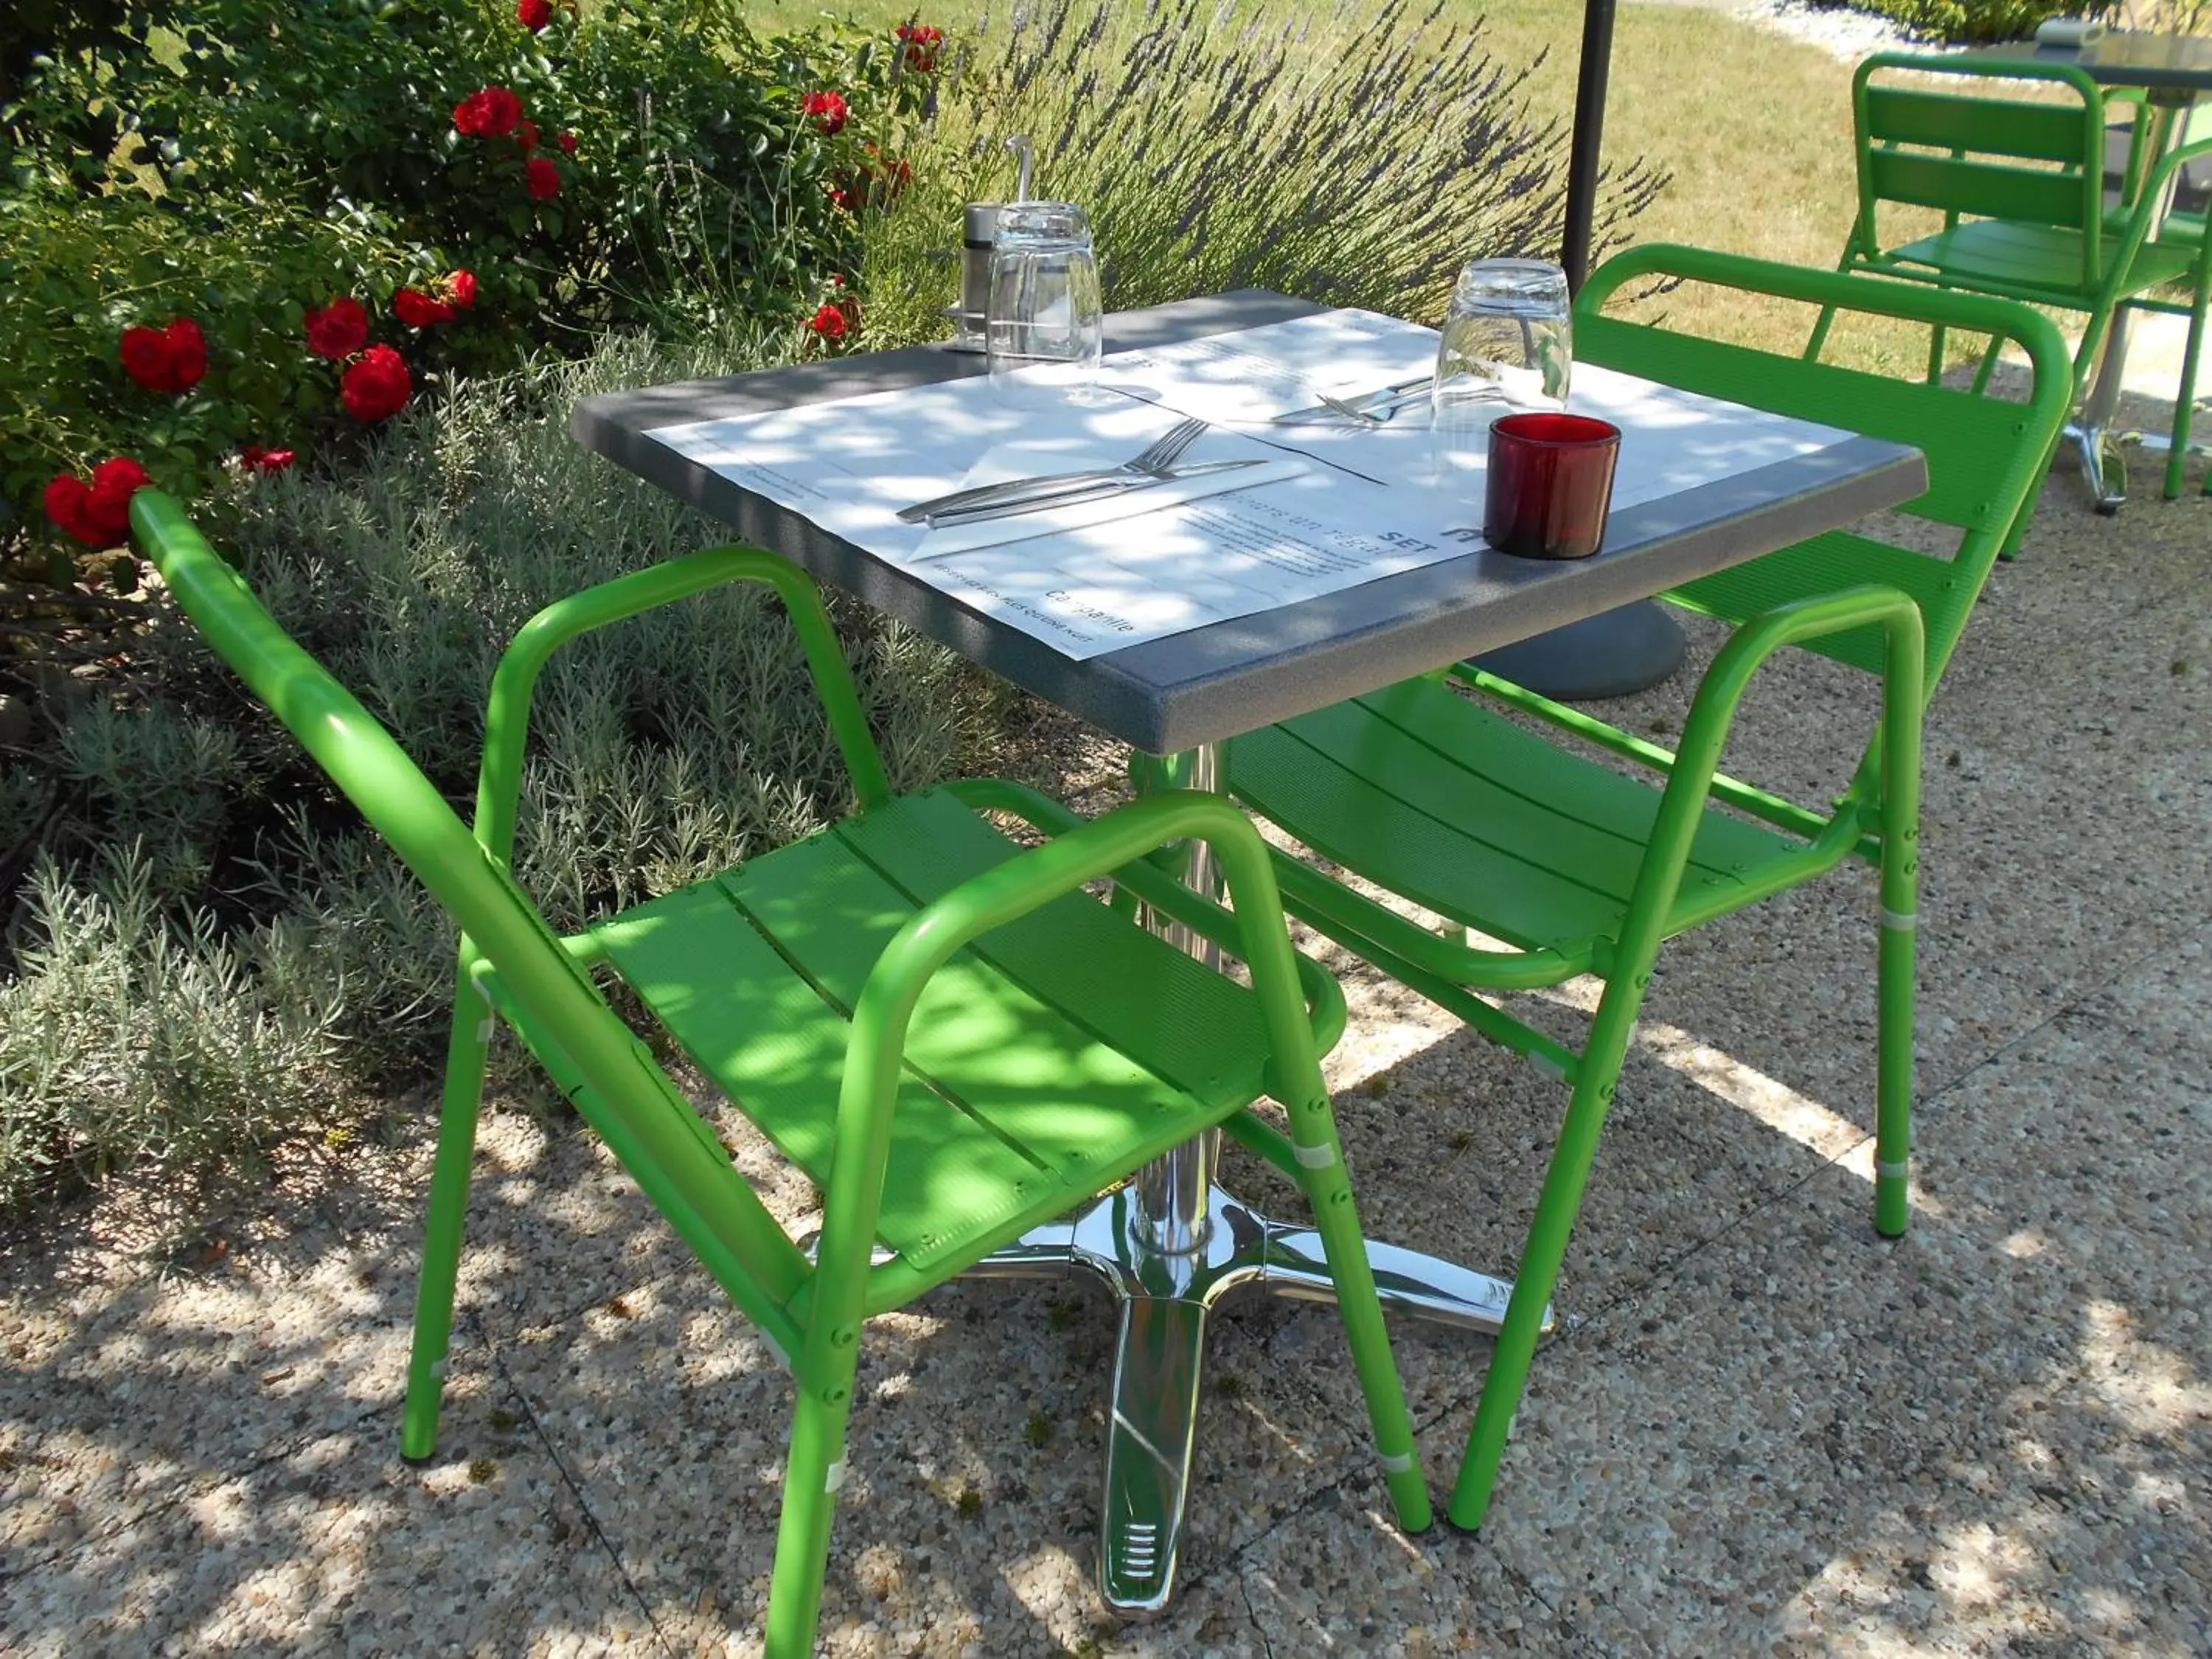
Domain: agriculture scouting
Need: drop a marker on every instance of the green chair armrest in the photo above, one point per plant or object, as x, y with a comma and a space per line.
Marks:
1975, 313
1712, 712
2171, 162
507, 720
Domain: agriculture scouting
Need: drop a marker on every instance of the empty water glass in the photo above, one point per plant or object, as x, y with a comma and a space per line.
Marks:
1045, 324
1507, 348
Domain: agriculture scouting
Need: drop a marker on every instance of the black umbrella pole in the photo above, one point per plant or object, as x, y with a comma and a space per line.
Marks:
1589, 140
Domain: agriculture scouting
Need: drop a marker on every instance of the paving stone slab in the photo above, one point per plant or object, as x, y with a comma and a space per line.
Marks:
974, 1461
1713, 1468
334, 1546
1341, 1578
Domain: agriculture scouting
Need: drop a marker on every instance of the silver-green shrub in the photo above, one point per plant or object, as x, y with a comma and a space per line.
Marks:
216, 951
136, 1032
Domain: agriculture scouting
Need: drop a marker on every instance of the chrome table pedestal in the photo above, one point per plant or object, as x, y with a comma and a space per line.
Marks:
1171, 1246
2093, 431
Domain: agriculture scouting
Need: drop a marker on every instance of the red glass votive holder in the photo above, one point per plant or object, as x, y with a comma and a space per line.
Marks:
1551, 484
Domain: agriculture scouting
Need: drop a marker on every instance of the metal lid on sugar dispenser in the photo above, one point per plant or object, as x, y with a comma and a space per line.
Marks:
979, 231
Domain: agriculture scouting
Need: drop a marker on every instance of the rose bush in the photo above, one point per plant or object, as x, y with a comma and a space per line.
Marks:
199, 217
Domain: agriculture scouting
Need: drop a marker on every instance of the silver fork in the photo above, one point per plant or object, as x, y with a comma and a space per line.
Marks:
1155, 458
1373, 413
1369, 409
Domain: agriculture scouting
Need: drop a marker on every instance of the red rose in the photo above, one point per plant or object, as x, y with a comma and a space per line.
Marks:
921, 43
459, 288
69, 504
254, 458
418, 310
525, 134
171, 359
829, 323
114, 484
491, 113
828, 112
502, 111
840, 196
377, 386
542, 178
338, 330
187, 354
534, 15
568, 142
146, 359
98, 513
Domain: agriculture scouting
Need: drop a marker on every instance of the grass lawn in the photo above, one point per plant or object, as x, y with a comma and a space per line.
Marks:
1758, 139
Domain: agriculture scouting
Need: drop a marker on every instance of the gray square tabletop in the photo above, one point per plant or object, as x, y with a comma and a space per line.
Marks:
2178, 64
1236, 676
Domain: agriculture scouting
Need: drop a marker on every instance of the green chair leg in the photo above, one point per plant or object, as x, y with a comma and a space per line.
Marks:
1988, 365
2184, 406
1900, 921
812, 1474
1328, 1189
1539, 1272
1893, 1084
465, 1050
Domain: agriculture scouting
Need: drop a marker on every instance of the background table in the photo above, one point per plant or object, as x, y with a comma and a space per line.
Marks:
2175, 72
1172, 1244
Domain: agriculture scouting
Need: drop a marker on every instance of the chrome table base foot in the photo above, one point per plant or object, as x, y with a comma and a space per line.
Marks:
2108, 492
2103, 466
1165, 1298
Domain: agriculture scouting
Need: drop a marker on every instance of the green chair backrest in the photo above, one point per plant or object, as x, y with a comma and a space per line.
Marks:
1976, 152
1986, 457
631, 1101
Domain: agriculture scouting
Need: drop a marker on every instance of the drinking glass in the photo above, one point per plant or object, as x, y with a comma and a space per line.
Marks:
1045, 327
1507, 348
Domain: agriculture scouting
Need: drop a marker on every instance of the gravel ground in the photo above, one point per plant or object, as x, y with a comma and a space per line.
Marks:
1837, 30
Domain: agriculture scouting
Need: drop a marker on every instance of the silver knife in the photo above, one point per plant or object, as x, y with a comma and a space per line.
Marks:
1098, 490
1044, 484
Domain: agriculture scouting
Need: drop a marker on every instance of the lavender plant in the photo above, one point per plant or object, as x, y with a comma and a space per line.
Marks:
1215, 152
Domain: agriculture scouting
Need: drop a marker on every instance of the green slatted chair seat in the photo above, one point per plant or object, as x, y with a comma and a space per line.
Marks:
2027, 258
1050, 1057
1444, 801
2178, 231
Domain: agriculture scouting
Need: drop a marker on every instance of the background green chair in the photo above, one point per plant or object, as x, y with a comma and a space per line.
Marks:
1579, 868
953, 1040
2185, 223
2020, 184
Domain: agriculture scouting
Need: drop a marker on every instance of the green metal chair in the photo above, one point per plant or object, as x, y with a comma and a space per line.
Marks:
1579, 868
2020, 184
953, 1040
